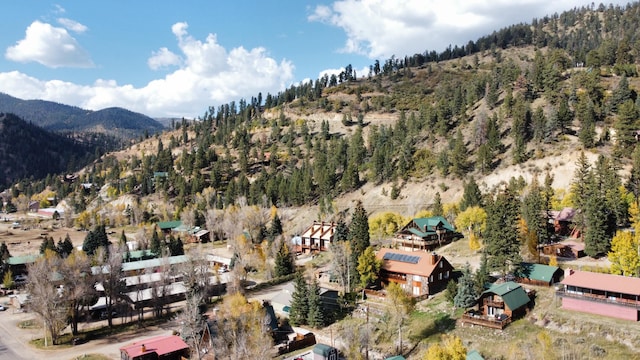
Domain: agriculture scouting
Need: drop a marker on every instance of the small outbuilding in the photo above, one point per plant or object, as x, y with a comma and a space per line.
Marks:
166, 347
324, 352
539, 274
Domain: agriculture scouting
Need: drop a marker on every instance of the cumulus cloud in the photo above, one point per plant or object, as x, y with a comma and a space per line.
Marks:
207, 75
50, 46
163, 58
386, 28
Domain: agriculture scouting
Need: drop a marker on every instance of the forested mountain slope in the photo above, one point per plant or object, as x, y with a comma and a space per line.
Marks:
523, 100
27, 151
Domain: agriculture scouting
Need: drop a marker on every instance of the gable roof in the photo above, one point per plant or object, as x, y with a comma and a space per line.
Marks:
604, 282
408, 262
538, 272
161, 345
22, 260
320, 230
167, 225
512, 294
423, 227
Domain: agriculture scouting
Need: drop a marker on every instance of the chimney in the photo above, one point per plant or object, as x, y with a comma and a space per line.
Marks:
434, 258
568, 272
144, 348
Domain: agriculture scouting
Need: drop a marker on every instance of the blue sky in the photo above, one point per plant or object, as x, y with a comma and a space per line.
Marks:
165, 58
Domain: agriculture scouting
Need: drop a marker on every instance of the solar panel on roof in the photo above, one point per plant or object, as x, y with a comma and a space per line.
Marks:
401, 257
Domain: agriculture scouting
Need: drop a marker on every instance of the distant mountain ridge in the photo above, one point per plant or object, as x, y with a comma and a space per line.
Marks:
52, 116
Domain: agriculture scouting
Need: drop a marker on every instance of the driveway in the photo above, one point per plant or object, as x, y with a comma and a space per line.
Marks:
14, 341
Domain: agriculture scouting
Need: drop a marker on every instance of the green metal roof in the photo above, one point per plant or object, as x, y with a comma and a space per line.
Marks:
474, 355
166, 225
22, 260
512, 294
397, 357
537, 271
430, 222
322, 349
417, 232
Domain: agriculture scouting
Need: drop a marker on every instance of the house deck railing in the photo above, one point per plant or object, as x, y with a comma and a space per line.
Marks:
600, 299
485, 320
494, 303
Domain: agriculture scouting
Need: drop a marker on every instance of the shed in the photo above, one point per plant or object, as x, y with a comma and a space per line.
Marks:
166, 347
324, 352
539, 274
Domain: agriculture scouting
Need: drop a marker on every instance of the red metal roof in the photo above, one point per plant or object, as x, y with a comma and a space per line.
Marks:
604, 282
423, 267
161, 345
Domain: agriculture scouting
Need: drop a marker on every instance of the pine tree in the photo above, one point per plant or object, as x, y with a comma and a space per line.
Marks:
47, 244
155, 246
466, 295
626, 126
596, 239
315, 315
471, 195
299, 310
285, 264
359, 230
65, 247
176, 247
501, 236
482, 274
437, 205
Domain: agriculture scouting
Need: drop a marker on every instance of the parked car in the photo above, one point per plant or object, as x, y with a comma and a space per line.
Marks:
103, 315
20, 278
2, 308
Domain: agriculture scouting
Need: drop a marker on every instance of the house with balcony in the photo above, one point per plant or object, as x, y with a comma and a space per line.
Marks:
425, 234
418, 272
499, 305
602, 294
317, 237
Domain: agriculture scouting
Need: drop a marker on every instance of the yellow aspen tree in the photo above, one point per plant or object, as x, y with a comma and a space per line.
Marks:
624, 254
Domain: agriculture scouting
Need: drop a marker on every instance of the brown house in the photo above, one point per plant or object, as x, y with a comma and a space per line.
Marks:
418, 272
499, 304
425, 234
317, 237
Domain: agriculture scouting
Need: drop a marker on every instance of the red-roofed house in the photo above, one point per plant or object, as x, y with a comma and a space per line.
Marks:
418, 272
165, 347
318, 236
603, 294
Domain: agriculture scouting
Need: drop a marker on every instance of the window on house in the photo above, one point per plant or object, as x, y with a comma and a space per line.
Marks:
431, 278
440, 276
446, 275
440, 264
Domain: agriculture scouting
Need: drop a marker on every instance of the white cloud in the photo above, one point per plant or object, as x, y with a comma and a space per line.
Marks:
72, 25
208, 75
50, 46
163, 58
380, 29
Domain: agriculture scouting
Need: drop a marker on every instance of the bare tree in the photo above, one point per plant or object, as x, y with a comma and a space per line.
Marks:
196, 277
161, 288
77, 284
45, 299
341, 265
214, 220
110, 276
242, 330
